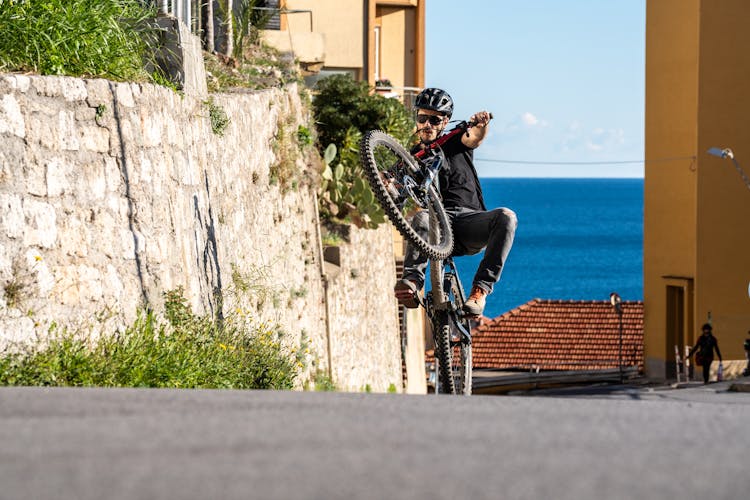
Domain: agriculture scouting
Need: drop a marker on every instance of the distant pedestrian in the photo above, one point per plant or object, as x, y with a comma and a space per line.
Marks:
746, 345
704, 351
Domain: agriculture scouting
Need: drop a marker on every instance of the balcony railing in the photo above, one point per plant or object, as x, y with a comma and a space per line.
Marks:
404, 94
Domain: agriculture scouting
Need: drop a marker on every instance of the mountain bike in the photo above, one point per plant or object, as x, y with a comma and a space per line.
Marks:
403, 182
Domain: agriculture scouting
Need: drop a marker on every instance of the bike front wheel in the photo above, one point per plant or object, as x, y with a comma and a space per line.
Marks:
396, 180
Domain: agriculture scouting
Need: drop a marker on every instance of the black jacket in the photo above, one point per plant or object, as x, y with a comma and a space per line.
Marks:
705, 347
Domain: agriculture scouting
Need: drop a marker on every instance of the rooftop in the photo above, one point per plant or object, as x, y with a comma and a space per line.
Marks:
560, 335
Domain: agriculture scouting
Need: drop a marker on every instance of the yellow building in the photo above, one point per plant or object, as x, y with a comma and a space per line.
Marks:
372, 40
696, 256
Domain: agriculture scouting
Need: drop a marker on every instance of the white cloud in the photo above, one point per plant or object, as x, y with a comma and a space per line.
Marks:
529, 119
600, 139
596, 140
526, 120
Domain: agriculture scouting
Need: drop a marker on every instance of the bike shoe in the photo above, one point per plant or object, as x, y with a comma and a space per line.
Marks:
406, 293
475, 305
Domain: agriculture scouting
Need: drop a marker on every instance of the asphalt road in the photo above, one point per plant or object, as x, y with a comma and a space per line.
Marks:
184, 444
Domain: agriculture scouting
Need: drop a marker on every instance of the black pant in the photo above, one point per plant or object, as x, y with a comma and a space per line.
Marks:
706, 368
473, 231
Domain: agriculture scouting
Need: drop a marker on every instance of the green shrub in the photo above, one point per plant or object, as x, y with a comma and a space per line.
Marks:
188, 351
96, 38
343, 111
342, 103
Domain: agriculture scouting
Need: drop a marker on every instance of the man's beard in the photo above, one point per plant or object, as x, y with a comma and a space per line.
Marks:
427, 142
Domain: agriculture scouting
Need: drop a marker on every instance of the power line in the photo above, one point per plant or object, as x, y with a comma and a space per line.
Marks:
621, 162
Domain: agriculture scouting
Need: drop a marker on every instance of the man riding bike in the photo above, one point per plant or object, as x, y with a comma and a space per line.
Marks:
474, 227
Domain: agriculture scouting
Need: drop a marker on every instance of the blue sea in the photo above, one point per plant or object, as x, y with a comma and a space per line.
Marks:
577, 239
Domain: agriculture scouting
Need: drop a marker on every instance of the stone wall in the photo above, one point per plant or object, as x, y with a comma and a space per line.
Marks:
365, 353
113, 193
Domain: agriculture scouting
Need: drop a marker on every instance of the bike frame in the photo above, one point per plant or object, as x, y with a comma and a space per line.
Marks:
446, 298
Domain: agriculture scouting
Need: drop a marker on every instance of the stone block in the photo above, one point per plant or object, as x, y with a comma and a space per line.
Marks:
67, 285
112, 174
124, 95
11, 119
68, 133
43, 279
94, 138
6, 265
85, 114
90, 284
127, 244
152, 127
43, 130
73, 89
16, 330
17, 82
41, 224
76, 241
99, 92
56, 177
12, 221
106, 229
49, 86
113, 286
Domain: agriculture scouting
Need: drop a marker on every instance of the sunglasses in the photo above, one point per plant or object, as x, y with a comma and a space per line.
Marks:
433, 119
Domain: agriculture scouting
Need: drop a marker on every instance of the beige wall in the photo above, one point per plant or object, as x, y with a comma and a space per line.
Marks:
398, 45
342, 22
348, 27
696, 210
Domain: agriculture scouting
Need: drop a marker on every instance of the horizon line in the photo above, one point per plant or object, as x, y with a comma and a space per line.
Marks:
578, 177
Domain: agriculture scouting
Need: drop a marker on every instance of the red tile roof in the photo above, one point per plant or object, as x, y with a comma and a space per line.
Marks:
560, 335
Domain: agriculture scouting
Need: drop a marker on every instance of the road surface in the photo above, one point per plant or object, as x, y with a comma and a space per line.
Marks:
202, 444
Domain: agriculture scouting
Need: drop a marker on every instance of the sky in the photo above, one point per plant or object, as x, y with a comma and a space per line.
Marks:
564, 80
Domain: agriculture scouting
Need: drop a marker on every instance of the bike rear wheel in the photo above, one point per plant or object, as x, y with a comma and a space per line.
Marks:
395, 180
453, 355
452, 332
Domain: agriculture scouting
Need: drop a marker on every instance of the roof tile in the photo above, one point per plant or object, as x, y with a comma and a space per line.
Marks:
560, 335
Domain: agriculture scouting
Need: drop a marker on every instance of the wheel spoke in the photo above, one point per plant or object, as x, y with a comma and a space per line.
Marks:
394, 177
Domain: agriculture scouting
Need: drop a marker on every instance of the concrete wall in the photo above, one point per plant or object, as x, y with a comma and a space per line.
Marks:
112, 193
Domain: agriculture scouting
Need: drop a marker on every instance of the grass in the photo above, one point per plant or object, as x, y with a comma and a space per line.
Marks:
219, 119
259, 67
94, 38
185, 351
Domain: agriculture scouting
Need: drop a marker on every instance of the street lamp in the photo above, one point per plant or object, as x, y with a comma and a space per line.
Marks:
616, 302
728, 153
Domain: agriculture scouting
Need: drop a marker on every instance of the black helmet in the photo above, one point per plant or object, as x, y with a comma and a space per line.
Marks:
436, 100
707, 326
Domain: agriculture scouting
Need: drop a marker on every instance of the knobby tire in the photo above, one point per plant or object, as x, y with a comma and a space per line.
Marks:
453, 357
375, 139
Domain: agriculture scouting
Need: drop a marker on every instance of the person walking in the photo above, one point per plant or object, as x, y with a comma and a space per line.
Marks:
474, 227
704, 351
